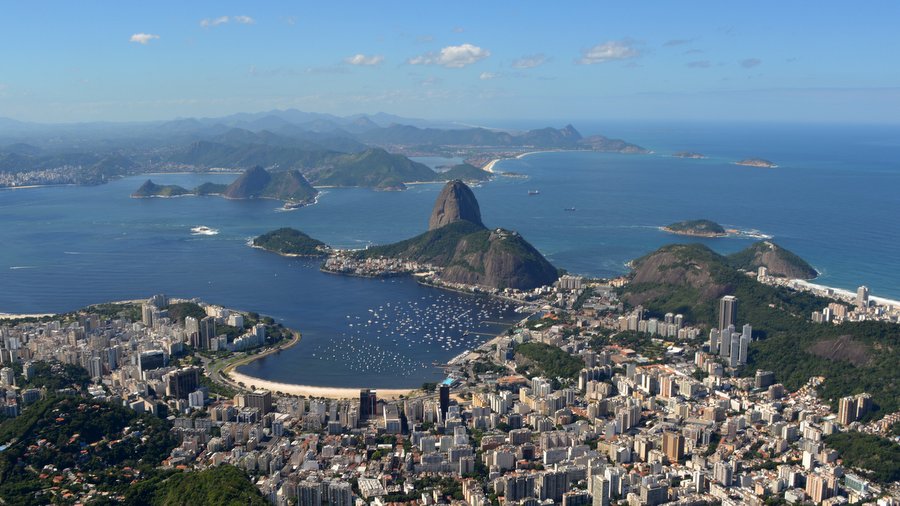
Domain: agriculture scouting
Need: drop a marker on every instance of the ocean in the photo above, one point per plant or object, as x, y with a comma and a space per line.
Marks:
832, 200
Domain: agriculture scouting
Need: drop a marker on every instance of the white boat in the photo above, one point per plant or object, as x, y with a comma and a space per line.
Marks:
204, 230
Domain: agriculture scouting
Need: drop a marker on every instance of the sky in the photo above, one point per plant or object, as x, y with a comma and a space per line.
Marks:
466, 61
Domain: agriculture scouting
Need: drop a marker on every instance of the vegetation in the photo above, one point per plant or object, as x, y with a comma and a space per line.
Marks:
546, 360
106, 445
178, 311
221, 485
288, 241
877, 457
779, 261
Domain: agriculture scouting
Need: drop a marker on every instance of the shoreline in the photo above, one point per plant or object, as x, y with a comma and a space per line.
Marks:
234, 377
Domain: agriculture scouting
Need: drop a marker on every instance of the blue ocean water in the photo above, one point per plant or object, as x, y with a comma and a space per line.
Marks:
833, 200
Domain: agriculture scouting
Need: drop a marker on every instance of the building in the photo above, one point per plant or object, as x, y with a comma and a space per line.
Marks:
207, 331
673, 446
259, 399
181, 383
150, 360
444, 399
862, 297
727, 311
368, 403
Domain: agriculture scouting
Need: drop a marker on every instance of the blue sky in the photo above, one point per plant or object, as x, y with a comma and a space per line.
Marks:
469, 61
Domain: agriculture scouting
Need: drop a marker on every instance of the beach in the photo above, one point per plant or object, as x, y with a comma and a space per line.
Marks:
311, 391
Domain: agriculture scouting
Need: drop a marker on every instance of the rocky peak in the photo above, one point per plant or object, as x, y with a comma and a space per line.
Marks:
456, 202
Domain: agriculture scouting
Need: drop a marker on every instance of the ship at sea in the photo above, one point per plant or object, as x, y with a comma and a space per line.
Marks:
533, 192
204, 230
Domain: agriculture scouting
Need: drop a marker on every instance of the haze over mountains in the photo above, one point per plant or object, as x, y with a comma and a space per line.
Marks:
358, 150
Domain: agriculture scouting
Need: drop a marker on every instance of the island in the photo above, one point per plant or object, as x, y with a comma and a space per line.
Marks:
291, 243
689, 154
696, 228
288, 186
151, 189
756, 162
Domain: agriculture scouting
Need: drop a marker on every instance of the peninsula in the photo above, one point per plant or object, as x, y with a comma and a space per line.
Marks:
696, 228
456, 250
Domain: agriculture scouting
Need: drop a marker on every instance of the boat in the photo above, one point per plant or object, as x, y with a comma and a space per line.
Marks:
533, 192
204, 230
570, 209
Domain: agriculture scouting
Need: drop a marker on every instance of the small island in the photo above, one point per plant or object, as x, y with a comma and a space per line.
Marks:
151, 189
689, 154
757, 162
291, 243
697, 228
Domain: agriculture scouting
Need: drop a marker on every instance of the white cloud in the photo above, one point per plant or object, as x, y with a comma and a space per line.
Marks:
453, 57
364, 60
221, 20
530, 61
699, 64
143, 38
458, 29
750, 63
486, 76
609, 51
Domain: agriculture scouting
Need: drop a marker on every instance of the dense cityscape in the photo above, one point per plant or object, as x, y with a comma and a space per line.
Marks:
582, 402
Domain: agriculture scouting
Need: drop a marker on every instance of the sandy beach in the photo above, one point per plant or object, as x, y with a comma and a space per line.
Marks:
311, 391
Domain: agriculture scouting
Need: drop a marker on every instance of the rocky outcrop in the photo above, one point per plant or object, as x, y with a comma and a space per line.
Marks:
468, 252
456, 202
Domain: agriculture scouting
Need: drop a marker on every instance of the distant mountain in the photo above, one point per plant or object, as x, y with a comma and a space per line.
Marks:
546, 138
467, 251
465, 172
260, 183
778, 261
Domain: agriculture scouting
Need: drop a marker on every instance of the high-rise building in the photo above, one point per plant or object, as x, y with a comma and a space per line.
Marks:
862, 297
673, 446
207, 331
368, 403
150, 360
727, 311
723, 473
259, 399
444, 399
181, 383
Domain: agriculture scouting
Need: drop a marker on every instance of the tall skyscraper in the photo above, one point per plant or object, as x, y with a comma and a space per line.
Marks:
862, 297
727, 311
368, 403
444, 399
